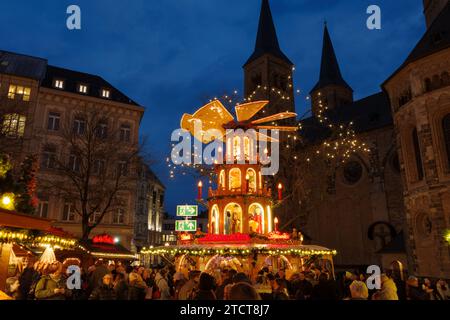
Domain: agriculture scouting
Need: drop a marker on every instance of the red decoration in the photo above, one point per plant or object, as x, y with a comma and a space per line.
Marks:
103, 238
237, 237
200, 190
276, 235
280, 192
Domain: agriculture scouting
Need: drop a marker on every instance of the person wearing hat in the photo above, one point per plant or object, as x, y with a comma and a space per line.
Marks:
414, 291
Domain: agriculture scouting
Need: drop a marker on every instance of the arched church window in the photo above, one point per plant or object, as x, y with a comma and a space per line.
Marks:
418, 155
256, 80
435, 82
395, 161
446, 131
276, 80
283, 83
428, 87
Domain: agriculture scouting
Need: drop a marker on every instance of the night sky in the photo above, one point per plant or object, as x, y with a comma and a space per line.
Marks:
172, 56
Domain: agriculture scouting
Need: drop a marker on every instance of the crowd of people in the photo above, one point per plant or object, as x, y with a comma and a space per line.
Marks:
115, 281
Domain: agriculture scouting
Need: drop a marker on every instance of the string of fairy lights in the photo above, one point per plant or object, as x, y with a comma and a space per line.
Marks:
235, 251
341, 145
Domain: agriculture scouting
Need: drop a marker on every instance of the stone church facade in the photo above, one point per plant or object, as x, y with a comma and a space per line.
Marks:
382, 207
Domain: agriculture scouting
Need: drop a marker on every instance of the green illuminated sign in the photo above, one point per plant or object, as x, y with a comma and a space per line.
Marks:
186, 225
187, 211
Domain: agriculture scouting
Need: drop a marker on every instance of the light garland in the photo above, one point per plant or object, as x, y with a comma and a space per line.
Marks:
236, 252
8, 236
26, 237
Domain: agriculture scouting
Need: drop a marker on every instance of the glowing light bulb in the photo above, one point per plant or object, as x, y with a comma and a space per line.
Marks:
6, 200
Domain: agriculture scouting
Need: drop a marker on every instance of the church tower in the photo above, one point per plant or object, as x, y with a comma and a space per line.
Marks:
432, 8
268, 71
331, 91
419, 92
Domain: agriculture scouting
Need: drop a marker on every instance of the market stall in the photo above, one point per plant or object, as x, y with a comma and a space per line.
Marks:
22, 236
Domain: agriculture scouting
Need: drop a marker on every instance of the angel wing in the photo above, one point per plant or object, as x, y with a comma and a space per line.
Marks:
246, 111
206, 124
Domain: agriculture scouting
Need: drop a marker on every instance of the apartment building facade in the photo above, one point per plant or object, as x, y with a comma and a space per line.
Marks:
40, 103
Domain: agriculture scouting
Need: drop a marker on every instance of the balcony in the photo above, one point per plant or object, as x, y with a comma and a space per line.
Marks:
223, 192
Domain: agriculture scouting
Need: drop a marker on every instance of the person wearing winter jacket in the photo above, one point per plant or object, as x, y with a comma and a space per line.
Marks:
105, 291
443, 290
388, 289
163, 285
206, 288
28, 277
137, 287
121, 287
53, 286
414, 291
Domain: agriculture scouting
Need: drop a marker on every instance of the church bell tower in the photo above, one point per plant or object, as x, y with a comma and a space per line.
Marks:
268, 71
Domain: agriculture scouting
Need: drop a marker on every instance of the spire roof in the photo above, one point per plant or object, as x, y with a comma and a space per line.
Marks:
330, 73
267, 40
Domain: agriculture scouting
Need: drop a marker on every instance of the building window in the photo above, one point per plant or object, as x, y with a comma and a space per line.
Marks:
395, 162
54, 120
19, 92
42, 209
101, 131
418, 155
79, 126
74, 163
68, 213
99, 167
94, 218
59, 84
125, 133
154, 198
82, 88
446, 131
122, 168
106, 93
48, 160
13, 125
119, 216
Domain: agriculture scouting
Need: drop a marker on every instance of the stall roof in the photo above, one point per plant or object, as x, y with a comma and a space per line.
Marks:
14, 219
107, 251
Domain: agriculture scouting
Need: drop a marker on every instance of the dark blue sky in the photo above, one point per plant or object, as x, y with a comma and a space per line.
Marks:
172, 56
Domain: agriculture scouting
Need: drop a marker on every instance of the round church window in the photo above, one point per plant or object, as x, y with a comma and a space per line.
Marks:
353, 172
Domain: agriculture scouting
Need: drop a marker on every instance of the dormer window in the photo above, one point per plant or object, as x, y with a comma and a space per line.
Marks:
106, 93
59, 84
82, 88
